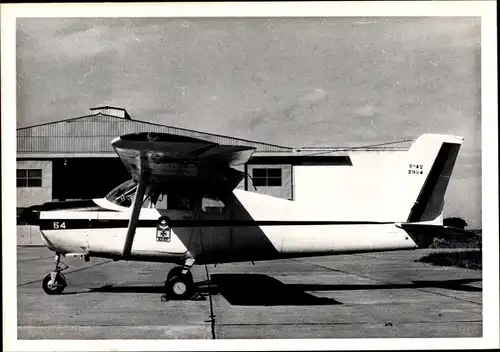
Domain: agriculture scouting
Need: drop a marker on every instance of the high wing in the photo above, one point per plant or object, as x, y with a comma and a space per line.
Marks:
175, 161
165, 161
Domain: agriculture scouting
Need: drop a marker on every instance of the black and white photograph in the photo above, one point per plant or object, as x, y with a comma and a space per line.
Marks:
225, 174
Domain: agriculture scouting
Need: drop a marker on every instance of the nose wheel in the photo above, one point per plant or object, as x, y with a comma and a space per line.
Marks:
54, 286
55, 282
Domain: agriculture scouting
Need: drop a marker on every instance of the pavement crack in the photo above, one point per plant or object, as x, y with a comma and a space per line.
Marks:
212, 315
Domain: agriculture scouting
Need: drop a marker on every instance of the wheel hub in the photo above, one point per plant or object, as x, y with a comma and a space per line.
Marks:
179, 288
53, 284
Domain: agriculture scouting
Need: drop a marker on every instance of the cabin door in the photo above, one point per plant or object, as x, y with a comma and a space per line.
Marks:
213, 232
174, 224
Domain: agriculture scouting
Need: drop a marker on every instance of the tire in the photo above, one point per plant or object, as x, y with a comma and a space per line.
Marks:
177, 271
179, 287
60, 282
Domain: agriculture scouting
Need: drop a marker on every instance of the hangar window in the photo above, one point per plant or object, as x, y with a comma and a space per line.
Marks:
267, 177
29, 178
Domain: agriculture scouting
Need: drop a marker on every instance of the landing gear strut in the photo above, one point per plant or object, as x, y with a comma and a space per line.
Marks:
55, 282
179, 283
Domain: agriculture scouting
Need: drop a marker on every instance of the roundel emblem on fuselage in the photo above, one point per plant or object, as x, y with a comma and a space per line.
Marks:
163, 231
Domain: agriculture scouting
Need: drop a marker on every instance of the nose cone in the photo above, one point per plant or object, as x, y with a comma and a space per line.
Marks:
31, 215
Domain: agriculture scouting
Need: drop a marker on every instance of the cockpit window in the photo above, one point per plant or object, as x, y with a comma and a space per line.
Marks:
123, 195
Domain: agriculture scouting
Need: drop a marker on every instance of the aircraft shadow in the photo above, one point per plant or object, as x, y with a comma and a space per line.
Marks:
120, 289
455, 285
247, 290
263, 290
260, 289
130, 289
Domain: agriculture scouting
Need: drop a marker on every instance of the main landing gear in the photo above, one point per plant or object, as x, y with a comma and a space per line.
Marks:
55, 282
179, 283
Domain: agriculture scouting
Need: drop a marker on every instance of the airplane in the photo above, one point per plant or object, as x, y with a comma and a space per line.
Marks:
182, 206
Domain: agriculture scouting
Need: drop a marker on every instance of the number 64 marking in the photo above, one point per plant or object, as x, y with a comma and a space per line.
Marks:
59, 225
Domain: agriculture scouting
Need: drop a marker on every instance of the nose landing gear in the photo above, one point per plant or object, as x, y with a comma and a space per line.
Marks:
180, 284
55, 282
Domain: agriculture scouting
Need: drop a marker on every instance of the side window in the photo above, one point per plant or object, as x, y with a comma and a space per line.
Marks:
270, 177
156, 201
179, 202
29, 177
212, 206
171, 201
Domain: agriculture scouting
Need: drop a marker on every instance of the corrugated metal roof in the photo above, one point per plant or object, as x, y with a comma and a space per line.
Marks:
94, 133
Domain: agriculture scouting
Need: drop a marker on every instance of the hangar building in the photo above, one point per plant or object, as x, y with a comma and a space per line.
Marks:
73, 159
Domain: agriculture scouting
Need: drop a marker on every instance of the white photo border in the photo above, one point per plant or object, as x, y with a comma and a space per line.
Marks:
489, 112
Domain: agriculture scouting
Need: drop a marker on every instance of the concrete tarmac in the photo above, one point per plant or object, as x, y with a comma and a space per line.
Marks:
364, 295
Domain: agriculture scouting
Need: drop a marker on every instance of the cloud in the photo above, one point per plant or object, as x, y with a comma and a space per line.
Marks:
365, 22
367, 110
316, 95
304, 78
70, 40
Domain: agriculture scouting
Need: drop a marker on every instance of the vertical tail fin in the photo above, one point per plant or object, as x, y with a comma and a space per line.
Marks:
426, 172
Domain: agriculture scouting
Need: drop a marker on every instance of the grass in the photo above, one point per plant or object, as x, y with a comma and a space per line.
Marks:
464, 259
470, 259
456, 242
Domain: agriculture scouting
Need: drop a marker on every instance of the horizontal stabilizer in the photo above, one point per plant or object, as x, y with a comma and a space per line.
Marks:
442, 230
423, 234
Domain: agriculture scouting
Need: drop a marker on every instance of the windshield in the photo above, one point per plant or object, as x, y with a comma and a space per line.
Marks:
123, 195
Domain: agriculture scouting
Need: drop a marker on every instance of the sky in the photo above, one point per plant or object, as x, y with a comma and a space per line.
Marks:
291, 81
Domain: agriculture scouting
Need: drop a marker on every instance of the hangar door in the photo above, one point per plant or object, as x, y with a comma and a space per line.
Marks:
86, 178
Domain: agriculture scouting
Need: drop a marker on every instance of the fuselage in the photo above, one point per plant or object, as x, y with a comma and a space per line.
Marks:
190, 209
249, 227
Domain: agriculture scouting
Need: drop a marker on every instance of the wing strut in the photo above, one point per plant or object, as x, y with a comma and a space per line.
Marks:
136, 211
